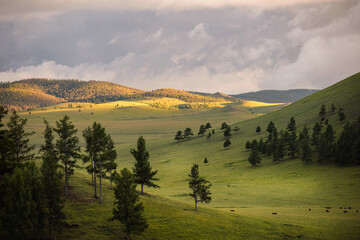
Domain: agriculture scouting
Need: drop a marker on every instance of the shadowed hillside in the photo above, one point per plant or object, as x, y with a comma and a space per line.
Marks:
276, 96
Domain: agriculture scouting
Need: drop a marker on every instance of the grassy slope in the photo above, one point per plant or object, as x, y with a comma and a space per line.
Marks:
288, 188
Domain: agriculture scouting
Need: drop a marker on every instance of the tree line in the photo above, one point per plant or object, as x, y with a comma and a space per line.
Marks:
316, 144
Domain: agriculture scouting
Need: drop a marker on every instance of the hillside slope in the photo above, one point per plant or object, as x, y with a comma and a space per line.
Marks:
52, 91
276, 96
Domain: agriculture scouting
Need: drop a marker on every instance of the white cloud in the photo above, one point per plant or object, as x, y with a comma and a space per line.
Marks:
154, 37
37, 8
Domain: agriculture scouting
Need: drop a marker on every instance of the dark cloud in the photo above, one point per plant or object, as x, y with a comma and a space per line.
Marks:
229, 49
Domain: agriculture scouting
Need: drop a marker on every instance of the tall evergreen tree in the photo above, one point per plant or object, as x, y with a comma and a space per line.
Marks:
291, 139
67, 146
272, 137
51, 181
322, 112
227, 144
258, 129
326, 147
188, 132
90, 157
109, 157
5, 166
20, 150
199, 185
280, 150
208, 126
332, 108
223, 126
315, 138
202, 130
344, 145
227, 132
127, 208
179, 136
142, 170
306, 151
254, 157
341, 114
21, 203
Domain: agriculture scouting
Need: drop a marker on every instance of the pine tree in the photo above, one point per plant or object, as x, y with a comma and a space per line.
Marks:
279, 150
341, 114
127, 208
188, 132
21, 203
322, 112
199, 185
254, 157
208, 126
67, 147
179, 136
292, 125
142, 170
202, 130
227, 132
344, 145
206, 160
90, 157
333, 108
258, 129
51, 181
306, 151
272, 137
5, 166
248, 145
20, 151
109, 158
223, 126
227, 144
326, 145
315, 138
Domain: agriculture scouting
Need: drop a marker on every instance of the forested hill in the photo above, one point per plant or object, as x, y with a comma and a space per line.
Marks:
276, 96
36, 92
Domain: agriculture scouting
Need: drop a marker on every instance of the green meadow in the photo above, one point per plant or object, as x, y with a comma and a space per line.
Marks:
288, 188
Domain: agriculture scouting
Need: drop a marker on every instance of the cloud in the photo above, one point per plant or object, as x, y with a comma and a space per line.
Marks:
10, 10
154, 37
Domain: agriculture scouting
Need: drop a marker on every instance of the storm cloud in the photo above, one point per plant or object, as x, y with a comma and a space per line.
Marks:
227, 46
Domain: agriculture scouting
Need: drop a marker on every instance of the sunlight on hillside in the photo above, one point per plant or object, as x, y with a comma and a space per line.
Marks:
246, 103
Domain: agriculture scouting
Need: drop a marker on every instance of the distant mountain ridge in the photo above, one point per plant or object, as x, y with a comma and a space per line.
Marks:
276, 96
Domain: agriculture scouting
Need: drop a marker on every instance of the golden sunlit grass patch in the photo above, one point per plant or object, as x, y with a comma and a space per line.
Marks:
246, 103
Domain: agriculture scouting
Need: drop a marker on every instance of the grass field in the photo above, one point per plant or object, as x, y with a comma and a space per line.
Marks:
288, 188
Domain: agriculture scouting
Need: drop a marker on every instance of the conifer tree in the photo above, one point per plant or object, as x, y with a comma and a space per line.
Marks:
322, 112
142, 170
227, 132
258, 129
272, 137
208, 126
51, 181
279, 147
223, 126
127, 208
248, 145
188, 132
254, 157
306, 151
4, 143
227, 144
109, 158
21, 203
90, 157
199, 185
315, 138
341, 114
179, 136
202, 130
19, 148
291, 139
333, 108
67, 146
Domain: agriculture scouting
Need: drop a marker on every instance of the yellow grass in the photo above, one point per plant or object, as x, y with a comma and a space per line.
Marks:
246, 103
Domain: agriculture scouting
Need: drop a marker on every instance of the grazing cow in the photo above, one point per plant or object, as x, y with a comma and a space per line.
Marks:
327, 210
328, 207
357, 211
232, 210
349, 207
274, 213
340, 207
345, 211
309, 209
344, 207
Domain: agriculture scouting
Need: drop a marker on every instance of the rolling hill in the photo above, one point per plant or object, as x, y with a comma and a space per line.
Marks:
16, 95
276, 96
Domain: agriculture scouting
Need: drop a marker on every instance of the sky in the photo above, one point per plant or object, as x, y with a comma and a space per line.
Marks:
230, 46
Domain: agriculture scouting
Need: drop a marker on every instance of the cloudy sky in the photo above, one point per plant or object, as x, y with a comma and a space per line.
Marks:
230, 46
